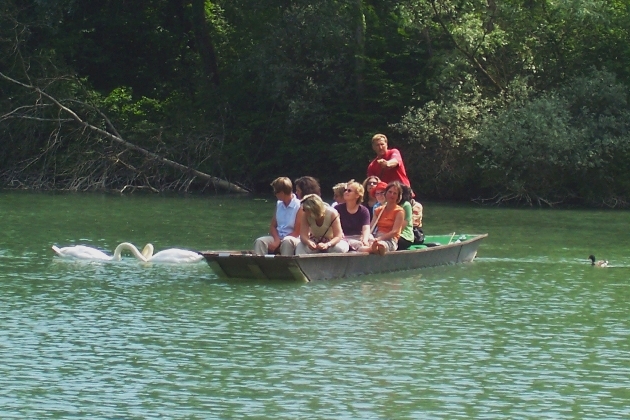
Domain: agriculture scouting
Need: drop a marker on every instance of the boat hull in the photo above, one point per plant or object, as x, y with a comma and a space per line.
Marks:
310, 267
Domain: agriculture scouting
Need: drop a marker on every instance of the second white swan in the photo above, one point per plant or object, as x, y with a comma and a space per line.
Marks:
171, 255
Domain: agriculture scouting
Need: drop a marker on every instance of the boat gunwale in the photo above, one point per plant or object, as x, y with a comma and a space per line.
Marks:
249, 254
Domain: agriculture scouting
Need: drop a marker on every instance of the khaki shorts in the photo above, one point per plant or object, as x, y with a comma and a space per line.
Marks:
391, 244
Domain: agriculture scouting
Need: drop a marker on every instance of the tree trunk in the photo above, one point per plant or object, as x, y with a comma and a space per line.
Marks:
204, 41
359, 54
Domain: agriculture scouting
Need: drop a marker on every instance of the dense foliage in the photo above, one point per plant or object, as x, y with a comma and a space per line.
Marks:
513, 101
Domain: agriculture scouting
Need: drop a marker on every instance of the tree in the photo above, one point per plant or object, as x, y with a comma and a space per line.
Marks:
491, 59
544, 150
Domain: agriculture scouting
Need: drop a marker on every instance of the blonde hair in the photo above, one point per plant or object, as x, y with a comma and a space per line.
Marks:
379, 137
339, 188
282, 184
358, 188
314, 205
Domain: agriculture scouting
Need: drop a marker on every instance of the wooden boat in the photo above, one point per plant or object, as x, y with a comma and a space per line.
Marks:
439, 250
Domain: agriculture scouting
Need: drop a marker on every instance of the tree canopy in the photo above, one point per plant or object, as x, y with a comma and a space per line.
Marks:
512, 101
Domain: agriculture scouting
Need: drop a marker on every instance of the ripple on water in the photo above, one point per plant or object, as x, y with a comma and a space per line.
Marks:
532, 337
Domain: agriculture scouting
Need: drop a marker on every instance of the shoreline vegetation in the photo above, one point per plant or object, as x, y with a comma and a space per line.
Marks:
498, 104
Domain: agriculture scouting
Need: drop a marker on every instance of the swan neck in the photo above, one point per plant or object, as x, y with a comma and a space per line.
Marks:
128, 247
147, 251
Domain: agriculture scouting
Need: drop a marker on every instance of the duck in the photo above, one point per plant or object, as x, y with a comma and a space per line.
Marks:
600, 263
82, 252
171, 255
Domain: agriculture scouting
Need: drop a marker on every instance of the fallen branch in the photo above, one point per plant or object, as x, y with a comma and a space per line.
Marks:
217, 182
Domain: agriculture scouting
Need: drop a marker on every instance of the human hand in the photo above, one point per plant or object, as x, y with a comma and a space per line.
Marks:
322, 246
382, 162
274, 246
312, 245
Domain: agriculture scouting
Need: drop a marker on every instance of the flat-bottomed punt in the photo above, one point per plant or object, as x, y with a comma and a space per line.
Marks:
442, 250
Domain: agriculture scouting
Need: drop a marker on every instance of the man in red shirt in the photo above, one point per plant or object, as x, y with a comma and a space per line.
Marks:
388, 165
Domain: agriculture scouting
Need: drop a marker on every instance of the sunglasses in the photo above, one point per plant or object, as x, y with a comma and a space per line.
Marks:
372, 183
348, 190
379, 193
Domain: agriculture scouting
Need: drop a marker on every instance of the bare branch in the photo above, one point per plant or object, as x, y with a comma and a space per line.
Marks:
217, 182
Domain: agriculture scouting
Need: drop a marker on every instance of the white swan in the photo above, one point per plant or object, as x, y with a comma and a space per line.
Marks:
171, 255
82, 252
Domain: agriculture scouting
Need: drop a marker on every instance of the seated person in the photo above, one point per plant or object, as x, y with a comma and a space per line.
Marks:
388, 222
284, 228
338, 191
307, 185
304, 186
416, 216
368, 185
406, 235
320, 228
379, 195
355, 217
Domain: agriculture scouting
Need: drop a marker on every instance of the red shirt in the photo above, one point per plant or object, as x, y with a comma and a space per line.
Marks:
389, 174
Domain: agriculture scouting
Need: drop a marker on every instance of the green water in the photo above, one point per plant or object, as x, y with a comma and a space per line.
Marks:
528, 330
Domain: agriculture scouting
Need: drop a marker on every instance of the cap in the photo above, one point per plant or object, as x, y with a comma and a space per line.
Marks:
381, 186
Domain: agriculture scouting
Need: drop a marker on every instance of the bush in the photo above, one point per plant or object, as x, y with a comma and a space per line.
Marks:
569, 143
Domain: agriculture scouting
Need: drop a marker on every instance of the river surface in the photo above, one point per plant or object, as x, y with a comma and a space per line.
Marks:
528, 330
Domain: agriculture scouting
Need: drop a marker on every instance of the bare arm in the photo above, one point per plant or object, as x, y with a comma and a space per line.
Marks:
273, 231
305, 230
337, 233
297, 223
391, 163
365, 234
336, 229
398, 223
273, 228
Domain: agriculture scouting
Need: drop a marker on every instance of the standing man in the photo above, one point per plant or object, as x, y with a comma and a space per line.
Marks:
388, 165
284, 230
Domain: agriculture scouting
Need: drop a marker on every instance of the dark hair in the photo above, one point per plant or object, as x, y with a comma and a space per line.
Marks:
406, 194
366, 194
308, 185
399, 190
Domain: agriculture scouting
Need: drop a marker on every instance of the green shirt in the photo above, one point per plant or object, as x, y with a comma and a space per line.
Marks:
407, 231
